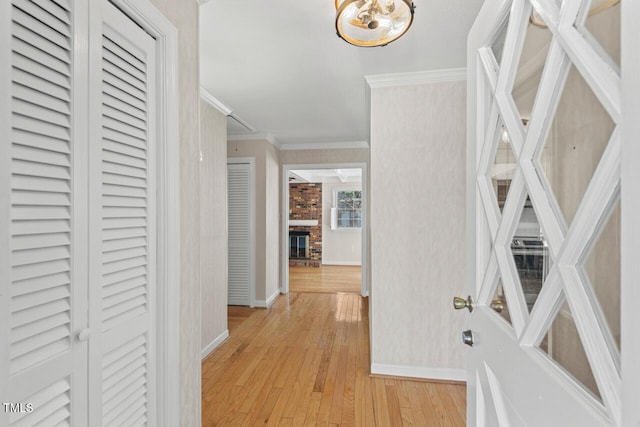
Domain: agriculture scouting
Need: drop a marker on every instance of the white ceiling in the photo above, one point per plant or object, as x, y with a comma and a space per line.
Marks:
280, 68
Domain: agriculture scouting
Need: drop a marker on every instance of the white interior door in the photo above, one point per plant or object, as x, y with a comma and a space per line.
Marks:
122, 225
545, 156
41, 300
240, 226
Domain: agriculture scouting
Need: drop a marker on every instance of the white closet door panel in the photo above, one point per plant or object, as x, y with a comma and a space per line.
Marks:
122, 222
238, 179
40, 289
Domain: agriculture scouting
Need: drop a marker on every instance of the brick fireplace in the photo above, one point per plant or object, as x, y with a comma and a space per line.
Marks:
305, 202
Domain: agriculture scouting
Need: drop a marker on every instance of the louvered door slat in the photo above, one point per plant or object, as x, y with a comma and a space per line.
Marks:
58, 9
125, 243
29, 22
114, 92
126, 56
123, 286
111, 78
40, 283
48, 81
123, 212
41, 170
123, 70
123, 275
111, 166
41, 210
43, 128
35, 111
124, 128
59, 20
41, 99
36, 198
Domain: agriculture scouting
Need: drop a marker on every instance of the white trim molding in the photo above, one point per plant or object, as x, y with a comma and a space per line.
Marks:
417, 77
266, 304
214, 344
324, 145
285, 222
214, 102
424, 372
254, 136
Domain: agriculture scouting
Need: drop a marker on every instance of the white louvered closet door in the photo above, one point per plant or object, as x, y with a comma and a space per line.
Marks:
40, 360
121, 221
239, 217
77, 208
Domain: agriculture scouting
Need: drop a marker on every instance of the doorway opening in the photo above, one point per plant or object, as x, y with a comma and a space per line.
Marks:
324, 223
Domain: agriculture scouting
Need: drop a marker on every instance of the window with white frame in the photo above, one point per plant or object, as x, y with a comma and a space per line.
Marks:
347, 210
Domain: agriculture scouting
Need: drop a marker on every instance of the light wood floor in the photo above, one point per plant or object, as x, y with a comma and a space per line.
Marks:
326, 278
305, 361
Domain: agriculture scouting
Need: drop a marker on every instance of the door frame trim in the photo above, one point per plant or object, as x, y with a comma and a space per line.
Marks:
630, 232
284, 237
145, 14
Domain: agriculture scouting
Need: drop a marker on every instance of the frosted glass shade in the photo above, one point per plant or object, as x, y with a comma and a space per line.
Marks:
371, 23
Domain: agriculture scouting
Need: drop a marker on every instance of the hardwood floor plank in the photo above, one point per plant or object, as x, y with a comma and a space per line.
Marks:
326, 279
305, 361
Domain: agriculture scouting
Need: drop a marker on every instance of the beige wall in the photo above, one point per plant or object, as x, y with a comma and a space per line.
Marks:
318, 157
342, 246
184, 16
213, 224
267, 192
417, 228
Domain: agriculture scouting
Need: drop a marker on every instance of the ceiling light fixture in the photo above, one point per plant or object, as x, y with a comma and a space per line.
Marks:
369, 23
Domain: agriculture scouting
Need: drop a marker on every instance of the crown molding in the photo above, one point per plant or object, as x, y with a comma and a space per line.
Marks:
213, 101
201, 2
257, 136
418, 77
324, 145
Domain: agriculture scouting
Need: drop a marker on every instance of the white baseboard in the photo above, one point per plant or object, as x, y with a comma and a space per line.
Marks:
445, 374
266, 304
214, 344
341, 263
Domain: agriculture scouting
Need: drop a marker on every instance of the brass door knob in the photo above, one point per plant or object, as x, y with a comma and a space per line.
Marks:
460, 303
497, 305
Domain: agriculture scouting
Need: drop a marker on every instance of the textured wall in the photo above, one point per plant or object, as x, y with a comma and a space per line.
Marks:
342, 246
267, 212
213, 223
316, 157
184, 16
417, 225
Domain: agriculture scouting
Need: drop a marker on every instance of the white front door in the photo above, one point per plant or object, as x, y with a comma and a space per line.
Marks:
545, 155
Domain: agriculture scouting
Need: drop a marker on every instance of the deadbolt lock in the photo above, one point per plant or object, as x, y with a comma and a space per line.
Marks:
460, 303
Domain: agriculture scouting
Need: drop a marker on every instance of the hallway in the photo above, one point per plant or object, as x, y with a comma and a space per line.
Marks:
305, 361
